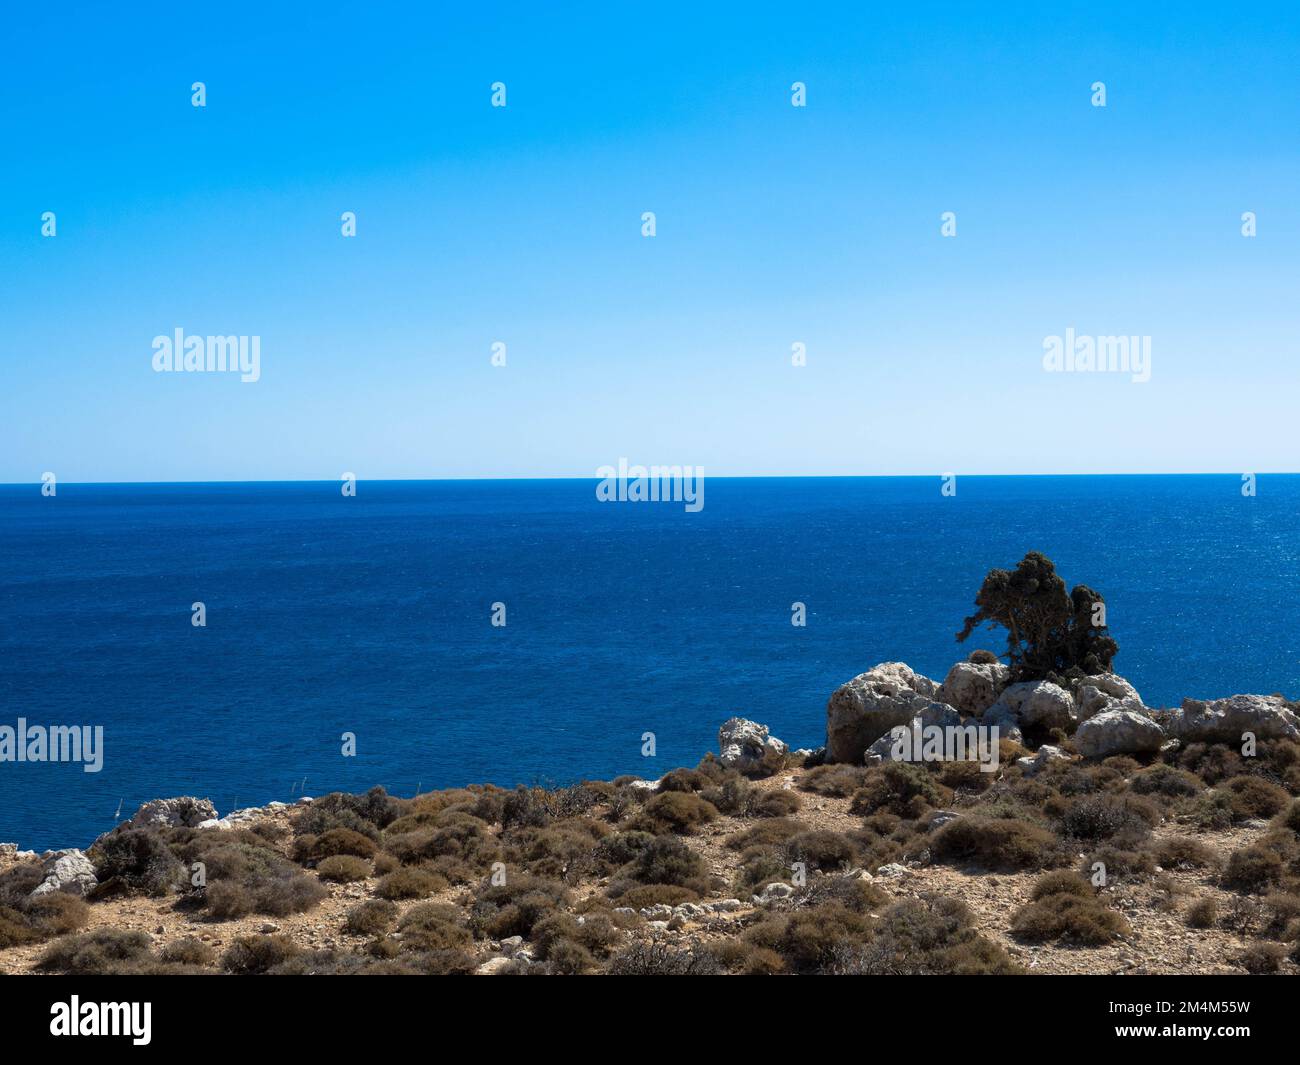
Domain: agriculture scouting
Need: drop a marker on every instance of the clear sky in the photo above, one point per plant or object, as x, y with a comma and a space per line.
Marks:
522, 224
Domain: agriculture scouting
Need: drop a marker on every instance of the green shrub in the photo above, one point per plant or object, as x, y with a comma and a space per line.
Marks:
901, 788
137, 859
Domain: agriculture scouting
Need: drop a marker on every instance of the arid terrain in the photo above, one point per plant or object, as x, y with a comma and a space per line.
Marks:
1185, 859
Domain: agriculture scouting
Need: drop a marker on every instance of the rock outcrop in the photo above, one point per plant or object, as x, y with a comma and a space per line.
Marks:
1039, 704
972, 687
938, 715
68, 871
746, 746
1118, 731
1226, 720
865, 708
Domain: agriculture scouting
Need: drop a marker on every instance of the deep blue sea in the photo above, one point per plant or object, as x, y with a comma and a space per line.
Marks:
371, 615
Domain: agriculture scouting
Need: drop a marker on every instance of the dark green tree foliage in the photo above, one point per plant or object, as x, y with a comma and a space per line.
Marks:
1049, 634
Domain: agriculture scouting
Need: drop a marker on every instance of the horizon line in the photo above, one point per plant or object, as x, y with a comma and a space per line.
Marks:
716, 477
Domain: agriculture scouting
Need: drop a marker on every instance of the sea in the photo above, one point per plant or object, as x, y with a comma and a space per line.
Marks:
428, 634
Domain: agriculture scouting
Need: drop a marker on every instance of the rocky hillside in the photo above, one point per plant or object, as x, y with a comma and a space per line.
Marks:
1090, 834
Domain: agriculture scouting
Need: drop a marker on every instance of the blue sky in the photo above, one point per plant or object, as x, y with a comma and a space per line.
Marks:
775, 225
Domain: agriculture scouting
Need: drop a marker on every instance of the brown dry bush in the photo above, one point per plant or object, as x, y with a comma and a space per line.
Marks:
1254, 798
106, 950
775, 803
343, 869
1183, 852
659, 959
410, 882
769, 833
253, 955
513, 908
1161, 779
187, 951
1203, 913
930, 935
1252, 869
836, 781
334, 841
674, 811
821, 849
370, 918
1108, 816
432, 926
995, 843
1064, 907
1261, 959
136, 860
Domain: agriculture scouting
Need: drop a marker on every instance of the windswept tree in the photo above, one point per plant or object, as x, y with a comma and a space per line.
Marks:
1049, 634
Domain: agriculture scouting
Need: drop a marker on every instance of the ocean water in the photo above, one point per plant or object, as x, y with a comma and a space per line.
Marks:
371, 615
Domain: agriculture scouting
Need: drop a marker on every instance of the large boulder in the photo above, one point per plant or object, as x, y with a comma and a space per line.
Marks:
69, 871
865, 708
1039, 704
937, 715
972, 687
1118, 731
1225, 720
746, 746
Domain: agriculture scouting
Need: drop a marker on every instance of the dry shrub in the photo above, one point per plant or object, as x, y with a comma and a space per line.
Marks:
1252, 869
513, 908
1064, 907
370, 918
1183, 852
432, 926
1203, 913
104, 951
1254, 798
252, 955
343, 869
836, 781
187, 951
900, 788
1166, 780
675, 811
994, 843
410, 882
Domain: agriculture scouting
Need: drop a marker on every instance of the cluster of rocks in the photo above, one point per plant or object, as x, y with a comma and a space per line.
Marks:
71, 871
1105, 713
